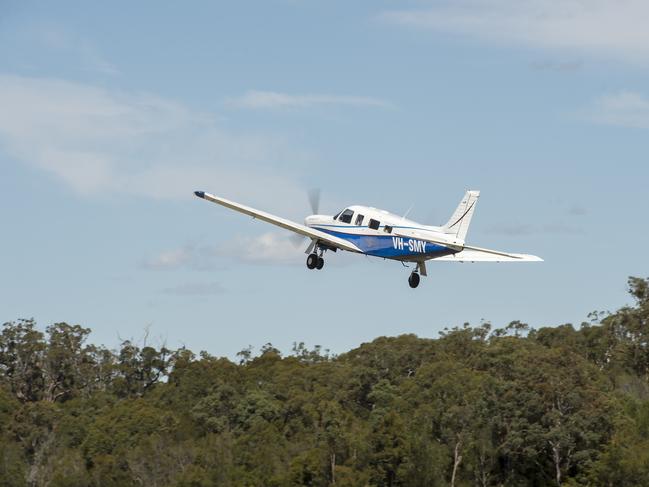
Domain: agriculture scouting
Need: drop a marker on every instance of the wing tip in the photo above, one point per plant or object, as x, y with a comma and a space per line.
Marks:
530, 258
200, 194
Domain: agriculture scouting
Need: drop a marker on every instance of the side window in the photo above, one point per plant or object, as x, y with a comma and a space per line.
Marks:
359, 220
387, 229
374, 224
346, 216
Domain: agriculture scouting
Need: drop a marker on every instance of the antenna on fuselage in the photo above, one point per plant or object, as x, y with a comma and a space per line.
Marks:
407, 212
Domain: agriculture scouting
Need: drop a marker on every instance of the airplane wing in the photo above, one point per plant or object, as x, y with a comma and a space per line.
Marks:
478, 254
281, 222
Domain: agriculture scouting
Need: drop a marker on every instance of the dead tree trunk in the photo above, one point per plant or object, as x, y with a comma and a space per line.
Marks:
457, 458
556, 457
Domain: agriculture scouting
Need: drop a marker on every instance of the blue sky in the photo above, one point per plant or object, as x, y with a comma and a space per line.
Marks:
112, 114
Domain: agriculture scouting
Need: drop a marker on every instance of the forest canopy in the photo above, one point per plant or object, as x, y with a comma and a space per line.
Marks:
477, 406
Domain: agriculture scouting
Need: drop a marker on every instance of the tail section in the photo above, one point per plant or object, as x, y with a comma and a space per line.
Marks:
459, 223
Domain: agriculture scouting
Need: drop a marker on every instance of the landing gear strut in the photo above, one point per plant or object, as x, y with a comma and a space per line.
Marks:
413, 280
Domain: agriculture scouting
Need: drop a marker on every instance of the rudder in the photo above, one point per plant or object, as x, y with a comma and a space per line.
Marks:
458, 224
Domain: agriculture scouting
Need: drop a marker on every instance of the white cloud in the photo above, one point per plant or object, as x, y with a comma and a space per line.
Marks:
267, 248
58, 46
611, 27
55, 38
170, 259
97, 140
270, 248
270, 99
190, 256
625, 109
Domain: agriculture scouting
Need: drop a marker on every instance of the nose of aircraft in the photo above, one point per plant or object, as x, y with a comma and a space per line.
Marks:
309, 220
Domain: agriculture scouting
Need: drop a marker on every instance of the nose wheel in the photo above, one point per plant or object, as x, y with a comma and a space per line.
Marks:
413, 280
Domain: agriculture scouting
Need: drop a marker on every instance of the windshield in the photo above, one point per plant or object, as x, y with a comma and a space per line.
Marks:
346, 216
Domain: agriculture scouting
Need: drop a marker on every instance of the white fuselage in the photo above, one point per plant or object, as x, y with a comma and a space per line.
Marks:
383, 234
379, 233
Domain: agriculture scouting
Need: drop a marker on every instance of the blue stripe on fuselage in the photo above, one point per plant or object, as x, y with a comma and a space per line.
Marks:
391, 246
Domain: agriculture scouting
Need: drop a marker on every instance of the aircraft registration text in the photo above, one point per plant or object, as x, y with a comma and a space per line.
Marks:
410, 244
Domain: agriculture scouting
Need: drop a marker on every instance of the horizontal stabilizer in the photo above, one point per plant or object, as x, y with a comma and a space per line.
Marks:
477, 254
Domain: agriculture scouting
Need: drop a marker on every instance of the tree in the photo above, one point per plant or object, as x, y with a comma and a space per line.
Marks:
21, 354
553, 416
388, 448
559, 406
625, 459
452, 404
139, 369
68, 363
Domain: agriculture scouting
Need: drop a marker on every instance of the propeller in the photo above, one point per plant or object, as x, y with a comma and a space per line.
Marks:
314, 201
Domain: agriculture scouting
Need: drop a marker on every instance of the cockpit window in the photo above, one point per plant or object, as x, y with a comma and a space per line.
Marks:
359, 220
346, 216
337, 215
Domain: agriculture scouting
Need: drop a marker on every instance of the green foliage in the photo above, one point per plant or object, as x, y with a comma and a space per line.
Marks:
511, 406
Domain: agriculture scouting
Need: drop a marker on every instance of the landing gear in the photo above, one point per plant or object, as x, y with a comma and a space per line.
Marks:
315, 261
413, 280
312, 261
420, 270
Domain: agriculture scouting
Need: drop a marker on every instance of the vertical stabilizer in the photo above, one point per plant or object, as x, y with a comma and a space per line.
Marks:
459, 223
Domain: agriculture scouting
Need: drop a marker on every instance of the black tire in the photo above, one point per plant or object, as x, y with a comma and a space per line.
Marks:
320, 263
312, 261
413, 280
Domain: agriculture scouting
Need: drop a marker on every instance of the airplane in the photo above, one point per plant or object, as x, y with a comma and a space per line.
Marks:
378, 233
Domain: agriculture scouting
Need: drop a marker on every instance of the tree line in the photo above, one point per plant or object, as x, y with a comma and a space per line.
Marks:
478, 406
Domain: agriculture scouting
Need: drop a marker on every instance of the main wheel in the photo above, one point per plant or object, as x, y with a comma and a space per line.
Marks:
312, 261
413, 280
320, 263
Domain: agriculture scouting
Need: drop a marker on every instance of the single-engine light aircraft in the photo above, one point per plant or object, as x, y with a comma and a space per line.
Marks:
379, 233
